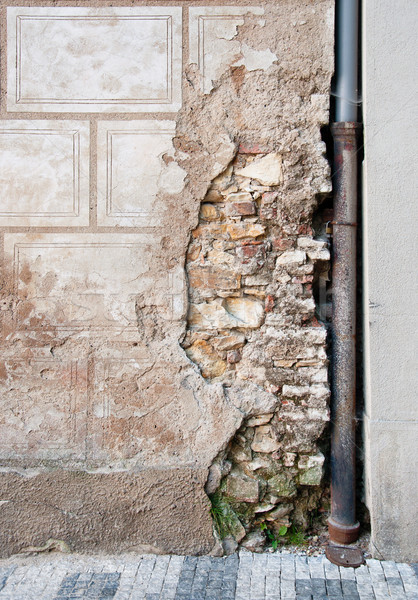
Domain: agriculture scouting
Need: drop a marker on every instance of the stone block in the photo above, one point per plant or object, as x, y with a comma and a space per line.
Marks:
319, 254
240, 209
259, 420
229, 342
238, 231
264, 441
266, 170
131, 173
238, 197
279, 512
242, 488
254, 542
228, 314
292, 257
283, 485
133, 57
311, 476
311, 469
208, 212
44, 179
214, 195
209, 362
212, 278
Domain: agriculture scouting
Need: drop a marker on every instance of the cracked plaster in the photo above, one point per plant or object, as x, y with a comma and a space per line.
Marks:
144, 410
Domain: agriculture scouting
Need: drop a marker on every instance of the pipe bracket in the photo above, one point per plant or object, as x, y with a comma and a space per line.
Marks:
347, 223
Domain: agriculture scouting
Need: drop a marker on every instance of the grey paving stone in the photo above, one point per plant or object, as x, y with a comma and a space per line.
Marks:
238, 577
303, 587
334, 589
318, 586
349, 588
347, 573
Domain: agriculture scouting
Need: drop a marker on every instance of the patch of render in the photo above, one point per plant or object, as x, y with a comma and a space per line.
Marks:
162, 415
251, 264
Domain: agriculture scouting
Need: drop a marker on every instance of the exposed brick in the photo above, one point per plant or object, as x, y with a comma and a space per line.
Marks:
305, 230
269, 303
283, 243
253, 149
240, 209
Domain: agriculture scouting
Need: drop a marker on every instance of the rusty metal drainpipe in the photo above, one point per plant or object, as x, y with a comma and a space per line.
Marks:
342, 525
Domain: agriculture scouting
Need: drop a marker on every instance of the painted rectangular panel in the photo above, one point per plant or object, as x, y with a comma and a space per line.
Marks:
44, 173
79, 282
44, 408
116, 377
72, 59
212, 30
131, 171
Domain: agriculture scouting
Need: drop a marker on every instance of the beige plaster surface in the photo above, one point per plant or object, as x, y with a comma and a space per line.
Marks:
79, 281
44, 173
212, 33
132, 56
135, 163
63, 418
162, 511
112, 428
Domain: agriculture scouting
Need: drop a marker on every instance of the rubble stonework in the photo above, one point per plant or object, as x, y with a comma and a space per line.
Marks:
252, 318
159, 337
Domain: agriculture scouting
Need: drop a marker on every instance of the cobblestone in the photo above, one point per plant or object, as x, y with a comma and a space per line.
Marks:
243, 576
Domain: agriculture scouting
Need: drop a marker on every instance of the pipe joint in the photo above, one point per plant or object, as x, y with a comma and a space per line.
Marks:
343, 534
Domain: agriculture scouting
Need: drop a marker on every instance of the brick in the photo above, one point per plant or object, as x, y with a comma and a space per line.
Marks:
281, 243
240, 209
269, 303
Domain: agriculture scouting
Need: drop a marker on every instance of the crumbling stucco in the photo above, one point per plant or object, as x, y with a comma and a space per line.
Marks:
175, 334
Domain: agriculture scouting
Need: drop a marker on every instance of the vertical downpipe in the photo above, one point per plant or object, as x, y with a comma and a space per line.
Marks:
342, 525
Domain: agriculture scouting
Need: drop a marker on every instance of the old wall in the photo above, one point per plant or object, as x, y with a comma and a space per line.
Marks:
161, 164
390, 290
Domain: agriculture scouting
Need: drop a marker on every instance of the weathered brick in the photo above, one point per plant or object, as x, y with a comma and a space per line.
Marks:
269, 303
240, 209
282, 243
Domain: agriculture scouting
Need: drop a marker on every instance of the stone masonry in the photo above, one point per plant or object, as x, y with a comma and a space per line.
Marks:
161, 166
250, 269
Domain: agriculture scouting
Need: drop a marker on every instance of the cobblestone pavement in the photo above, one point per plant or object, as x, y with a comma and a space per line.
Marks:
243, 576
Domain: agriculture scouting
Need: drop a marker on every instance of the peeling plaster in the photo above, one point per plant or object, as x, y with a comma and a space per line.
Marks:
148, 425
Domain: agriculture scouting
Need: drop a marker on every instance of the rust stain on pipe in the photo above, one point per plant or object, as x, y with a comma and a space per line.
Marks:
342, 525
